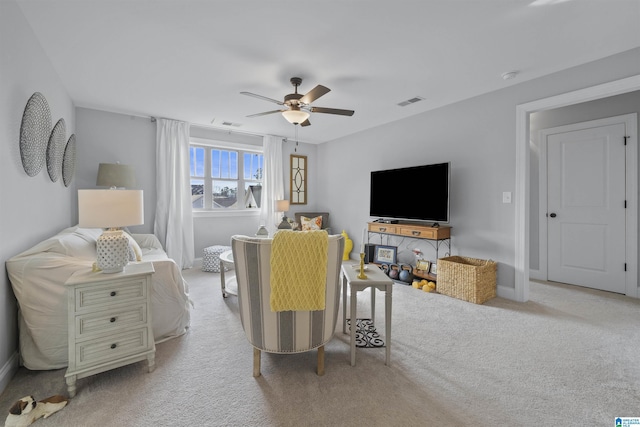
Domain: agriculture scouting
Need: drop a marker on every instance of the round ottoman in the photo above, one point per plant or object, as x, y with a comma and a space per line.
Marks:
211, 258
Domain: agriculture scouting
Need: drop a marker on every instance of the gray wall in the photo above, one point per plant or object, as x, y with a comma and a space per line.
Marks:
478, 137
112, 137
31, 208
607, 107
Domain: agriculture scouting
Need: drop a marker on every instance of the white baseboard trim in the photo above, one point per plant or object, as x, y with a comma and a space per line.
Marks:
507, 293
536, 274
197, 263
9, 370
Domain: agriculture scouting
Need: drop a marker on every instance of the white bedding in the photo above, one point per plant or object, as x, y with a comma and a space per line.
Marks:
38, 276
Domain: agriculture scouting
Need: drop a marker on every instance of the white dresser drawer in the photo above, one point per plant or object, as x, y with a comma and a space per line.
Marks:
108, 348
110, 320
112, 293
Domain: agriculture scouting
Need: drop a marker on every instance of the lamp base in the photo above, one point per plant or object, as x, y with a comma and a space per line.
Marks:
284, 225
112, 248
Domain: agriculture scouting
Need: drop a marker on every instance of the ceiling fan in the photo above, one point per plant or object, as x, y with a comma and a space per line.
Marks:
298, 106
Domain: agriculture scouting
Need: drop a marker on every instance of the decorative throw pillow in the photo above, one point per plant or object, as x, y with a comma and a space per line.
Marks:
309, 224
135, 253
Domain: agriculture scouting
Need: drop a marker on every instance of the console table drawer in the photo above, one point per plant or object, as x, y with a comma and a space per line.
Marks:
107, 294
112, 347
382, 228
425, 233
419, 234
108, 321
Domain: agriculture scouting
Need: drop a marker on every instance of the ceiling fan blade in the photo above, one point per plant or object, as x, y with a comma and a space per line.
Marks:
306, 123
265, 113
314, 94
262, 97
332, 111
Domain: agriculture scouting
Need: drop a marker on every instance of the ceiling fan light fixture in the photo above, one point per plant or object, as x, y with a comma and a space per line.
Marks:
295, 116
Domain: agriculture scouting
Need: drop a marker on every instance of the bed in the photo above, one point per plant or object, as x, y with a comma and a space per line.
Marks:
38, 276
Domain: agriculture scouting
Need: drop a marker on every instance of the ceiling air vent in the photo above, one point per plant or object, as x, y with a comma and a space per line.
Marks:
410, 101
237, 125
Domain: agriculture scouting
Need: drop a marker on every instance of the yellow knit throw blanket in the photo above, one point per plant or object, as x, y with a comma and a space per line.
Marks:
298, 270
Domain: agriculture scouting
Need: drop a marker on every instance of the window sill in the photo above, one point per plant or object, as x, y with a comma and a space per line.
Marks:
224, 214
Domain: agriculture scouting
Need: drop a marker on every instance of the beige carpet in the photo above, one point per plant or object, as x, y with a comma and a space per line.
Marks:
569, 356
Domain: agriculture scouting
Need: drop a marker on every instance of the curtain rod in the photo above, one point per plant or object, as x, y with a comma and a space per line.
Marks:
241, 132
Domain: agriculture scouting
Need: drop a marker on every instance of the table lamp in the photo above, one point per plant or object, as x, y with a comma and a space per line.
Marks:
111, 209
115, 175
283, 206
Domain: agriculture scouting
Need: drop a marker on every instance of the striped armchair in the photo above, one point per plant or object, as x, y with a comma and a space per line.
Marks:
285, 331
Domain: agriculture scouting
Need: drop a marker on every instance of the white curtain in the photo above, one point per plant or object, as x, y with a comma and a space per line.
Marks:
273, 182
174, 219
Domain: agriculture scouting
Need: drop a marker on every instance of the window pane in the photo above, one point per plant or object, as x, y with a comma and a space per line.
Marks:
196, 161
233, 165
253, 195
224, 164
197, 193
225, 194
253, 163
215, 163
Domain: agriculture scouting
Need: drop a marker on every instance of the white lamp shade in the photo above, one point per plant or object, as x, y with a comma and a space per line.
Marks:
115, 175
295, 116
282, 205
110, 208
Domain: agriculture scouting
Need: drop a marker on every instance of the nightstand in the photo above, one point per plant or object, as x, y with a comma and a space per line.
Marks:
109, 318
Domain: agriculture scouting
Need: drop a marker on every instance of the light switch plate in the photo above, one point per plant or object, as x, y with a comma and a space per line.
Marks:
506, 197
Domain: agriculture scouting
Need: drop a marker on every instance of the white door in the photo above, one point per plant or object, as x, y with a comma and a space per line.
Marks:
586, 207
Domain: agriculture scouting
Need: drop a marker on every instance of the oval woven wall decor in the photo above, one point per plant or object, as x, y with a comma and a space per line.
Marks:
55, 150
69, 161
34, 133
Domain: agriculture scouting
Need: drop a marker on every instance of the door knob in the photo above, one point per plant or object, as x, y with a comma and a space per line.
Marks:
552, 215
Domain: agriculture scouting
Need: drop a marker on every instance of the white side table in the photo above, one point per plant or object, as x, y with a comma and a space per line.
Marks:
226, 260
109, 321
376, 279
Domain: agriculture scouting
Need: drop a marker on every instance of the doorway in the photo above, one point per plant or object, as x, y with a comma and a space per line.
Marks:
523, 179
582, 208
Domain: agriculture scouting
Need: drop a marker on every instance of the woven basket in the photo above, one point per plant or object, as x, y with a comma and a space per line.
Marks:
468, 279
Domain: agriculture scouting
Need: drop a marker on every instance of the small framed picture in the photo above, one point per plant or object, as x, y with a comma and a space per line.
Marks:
434, 269
385, 254
423, 265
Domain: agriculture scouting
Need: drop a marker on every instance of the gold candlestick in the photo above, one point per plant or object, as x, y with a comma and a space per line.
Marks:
362, 275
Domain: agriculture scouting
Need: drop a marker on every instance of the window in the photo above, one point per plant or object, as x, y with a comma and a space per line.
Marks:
225, 177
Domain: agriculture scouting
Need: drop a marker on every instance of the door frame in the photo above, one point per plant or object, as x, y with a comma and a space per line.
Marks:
523, 177
631, 178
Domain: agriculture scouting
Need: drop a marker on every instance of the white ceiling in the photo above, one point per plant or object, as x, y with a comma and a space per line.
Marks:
189, 60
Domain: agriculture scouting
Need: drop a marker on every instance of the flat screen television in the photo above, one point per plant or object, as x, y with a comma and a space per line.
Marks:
417, 193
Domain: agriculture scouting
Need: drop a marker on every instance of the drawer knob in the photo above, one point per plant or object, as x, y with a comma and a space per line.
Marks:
114, 345
113, 293
113, 319
415, 233
383, 228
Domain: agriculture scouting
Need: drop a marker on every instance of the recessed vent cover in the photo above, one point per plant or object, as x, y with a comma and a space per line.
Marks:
237, 125
410, 101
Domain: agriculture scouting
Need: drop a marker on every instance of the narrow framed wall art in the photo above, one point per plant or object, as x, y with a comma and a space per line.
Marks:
298, 183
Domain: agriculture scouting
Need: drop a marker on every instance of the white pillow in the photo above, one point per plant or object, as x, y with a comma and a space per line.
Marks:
76, 245
135, 253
